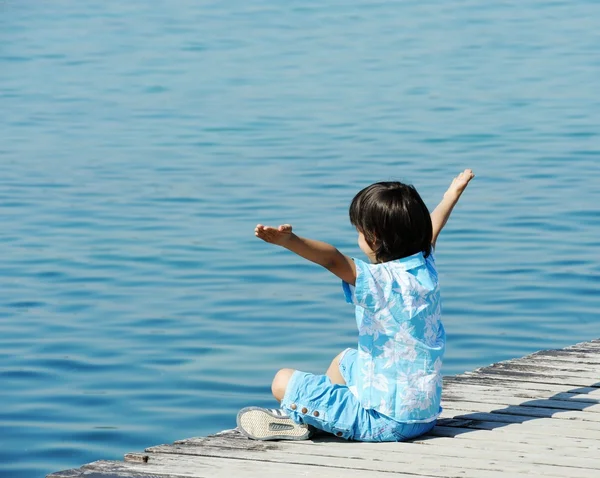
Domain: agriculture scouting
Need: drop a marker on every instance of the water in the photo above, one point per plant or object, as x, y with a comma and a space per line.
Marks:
140, 142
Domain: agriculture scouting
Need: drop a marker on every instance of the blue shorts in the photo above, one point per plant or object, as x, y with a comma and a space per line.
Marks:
314, 400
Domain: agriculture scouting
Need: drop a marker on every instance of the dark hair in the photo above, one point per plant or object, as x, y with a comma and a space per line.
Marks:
394, 220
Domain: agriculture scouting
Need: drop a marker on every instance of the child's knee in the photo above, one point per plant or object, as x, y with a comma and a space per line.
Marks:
280, 382
333, 372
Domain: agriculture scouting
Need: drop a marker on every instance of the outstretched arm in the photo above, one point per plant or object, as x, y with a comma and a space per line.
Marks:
315, 251
441, 213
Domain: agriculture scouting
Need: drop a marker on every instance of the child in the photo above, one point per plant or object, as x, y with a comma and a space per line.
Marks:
389, 389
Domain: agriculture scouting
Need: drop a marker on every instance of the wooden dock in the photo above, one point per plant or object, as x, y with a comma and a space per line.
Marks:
534, 416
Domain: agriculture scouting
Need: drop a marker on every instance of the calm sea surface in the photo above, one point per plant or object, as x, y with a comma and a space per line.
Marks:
141, 141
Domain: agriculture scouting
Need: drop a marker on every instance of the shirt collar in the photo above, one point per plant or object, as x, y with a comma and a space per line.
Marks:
412, 262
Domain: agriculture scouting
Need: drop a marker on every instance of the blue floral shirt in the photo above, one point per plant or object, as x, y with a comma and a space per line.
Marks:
401, 338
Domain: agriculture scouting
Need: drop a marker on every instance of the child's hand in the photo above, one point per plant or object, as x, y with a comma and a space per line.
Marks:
459, 183
274, 235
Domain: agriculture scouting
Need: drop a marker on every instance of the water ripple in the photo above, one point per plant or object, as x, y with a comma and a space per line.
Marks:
141, 145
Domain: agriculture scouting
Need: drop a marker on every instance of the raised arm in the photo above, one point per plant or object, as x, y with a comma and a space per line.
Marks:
315, 251
441, 213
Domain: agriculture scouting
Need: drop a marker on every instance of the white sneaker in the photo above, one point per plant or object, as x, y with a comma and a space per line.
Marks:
270, 424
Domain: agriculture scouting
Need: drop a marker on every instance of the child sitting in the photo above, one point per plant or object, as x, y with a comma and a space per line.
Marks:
389, 389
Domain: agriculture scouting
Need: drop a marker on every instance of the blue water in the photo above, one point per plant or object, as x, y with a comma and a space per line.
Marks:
141, 141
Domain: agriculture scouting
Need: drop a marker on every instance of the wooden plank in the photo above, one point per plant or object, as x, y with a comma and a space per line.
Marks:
578, 352
542, 369
590, 362
72, 473
508, 384
535, 375
524, 390
511, 426
527, 416
585, 419
110, 471
566, 381
589, 378
582, 353
498, 422
512, 429
179, 466
594, 343
451, 382
479, 431
566, 360
401, 452
415, 464
525, 442
561, 368
524, 399
566, 400
523, 395
565, 356
458, 428
496, 398
473, 437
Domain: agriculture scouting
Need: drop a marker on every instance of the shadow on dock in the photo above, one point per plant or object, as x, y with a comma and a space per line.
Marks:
524, 412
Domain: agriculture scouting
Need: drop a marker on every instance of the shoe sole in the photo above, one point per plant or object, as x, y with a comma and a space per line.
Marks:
260, 424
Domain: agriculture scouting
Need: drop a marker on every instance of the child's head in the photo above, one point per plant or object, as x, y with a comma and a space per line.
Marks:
392, 221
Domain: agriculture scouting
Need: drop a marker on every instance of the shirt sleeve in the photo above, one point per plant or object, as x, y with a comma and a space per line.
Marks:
369, 290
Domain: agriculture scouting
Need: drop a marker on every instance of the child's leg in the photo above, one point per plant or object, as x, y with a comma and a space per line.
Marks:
314, 401
280, 382
282, 377
333, 372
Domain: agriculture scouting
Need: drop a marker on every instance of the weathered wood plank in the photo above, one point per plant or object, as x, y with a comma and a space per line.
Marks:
524, 390
471, 438
585, 419
511, 426
178, 466
537, 444
420, 464
506, 424
109, 471
468, 428
523, 396
529, 418
579, 356
566, 362
527, 367
585, 362
505, 375
496, 398
518, 386
563, 356
566, 377
72, 473
479, 432
401, 453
